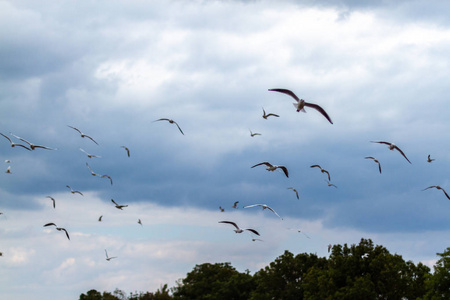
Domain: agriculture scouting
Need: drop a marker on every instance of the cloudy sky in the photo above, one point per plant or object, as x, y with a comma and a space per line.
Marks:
111, 68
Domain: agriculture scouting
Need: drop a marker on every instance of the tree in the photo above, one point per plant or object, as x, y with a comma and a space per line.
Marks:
438, 284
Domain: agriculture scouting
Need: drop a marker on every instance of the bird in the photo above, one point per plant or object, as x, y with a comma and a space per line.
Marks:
254, 240
118, 206
74, 192
253, 134
107, 176
235, 204
439, 188
89, 155
100, 218
296, 192
265, 116
14, 144
53, 199
33, 146
271, 167
264, 206
126, 148
107, 257
8, 170
375, 160
82, 134
221, 209
7, 161
392, 146
92, 172
239, 230
322, 170
139, 222
329, 247
430, 159
58, 228
300, 105
330, 184
171, 122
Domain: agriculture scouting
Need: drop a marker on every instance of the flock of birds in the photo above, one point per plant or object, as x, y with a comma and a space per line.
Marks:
299, 105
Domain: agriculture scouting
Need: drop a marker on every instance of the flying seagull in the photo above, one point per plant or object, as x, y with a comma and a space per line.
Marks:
32, 146
430, 159
171, 122
118, 206
221, 209
8, 170
392, 146
128, 150
265, 116
296, 192
100, 218
107, 257
300, 105
271, 167
439, 188
264, 206
92, 172
82, 134
253, 134
88, 154
239, 230
329, 248
58, 228
74, 192
107, 176
139, 222
322, 170
330, 184
375, 160
14, 144
235, 204
53, 199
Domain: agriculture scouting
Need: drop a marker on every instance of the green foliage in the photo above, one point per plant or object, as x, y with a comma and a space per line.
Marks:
438, 284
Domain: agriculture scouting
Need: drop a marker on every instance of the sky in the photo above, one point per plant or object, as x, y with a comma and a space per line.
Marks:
380, 70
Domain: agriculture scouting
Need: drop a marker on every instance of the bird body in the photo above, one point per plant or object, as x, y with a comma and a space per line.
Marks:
300, 104
272, 168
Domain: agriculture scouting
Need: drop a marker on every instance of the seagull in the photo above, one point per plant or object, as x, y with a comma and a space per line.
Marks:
322, 170
100, 218
89, 155
375, 160
7, 161
32, 146
107, 257
139, 222
221, 209
53, 199
300, 105
128, 150
439, 188
254, 240
253, 134
8, 171
265, 116
329, 248
118, 206
92, 172
171, 122
235, 204
107, 176
430, 159
82, 134
330, 184
271, 167
58, 228
239, 230
392, 146
264, 206
74, 192
14, 144
296, 192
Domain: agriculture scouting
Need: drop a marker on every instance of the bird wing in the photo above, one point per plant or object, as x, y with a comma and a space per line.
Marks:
252, 230
271, 209
319, 109
433, 186
253, 205
379, 167
100, 218
401, 152
179, 127
229, 222
50, 224
284, 170
381, 142
287, 92
128, 150
325, 171
75, 129
67, 234
263, 163
91, 139
448, 197
78, 192
114, 202
370, 157
316, 166
109, 177
274, 115
7, 138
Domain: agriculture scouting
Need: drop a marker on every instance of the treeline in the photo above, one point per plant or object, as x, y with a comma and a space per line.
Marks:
362, 271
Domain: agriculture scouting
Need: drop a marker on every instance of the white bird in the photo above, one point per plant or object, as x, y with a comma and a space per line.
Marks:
14, 144
392, 146
322, 170
128, 150
107, 257
92, 172
296, 192
264, 206
33, 146
171, 122
300, 105
53, 199
118, 206
74, 192
271, 167
430, 159
375, 160
265, 116
239, 230
7, 161
89, 155
82, 134
439, 188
